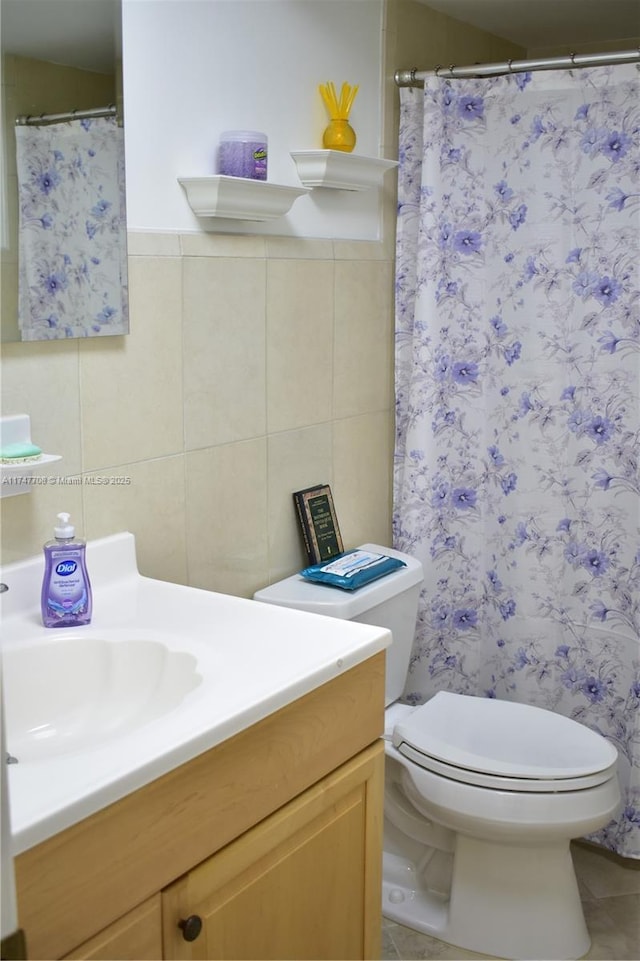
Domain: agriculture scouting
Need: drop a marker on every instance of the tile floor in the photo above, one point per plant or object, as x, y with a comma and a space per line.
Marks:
610, 890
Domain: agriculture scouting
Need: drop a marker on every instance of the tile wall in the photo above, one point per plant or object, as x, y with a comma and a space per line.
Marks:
254, 367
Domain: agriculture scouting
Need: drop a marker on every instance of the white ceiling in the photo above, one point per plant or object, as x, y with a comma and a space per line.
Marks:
82, 32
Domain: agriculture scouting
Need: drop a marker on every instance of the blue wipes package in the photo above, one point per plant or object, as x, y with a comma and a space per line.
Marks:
352, 570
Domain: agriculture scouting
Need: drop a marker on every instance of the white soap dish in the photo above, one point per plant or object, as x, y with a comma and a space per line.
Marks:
18, 478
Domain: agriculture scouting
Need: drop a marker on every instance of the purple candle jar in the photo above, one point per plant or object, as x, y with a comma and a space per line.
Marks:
243, 153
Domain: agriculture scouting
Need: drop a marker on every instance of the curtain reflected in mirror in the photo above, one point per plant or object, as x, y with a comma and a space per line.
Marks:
72, 268
64, 259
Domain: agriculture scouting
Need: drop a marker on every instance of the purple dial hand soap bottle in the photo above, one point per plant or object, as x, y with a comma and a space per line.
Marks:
66, 591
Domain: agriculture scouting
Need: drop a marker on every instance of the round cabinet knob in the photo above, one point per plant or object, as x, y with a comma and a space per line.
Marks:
191, 927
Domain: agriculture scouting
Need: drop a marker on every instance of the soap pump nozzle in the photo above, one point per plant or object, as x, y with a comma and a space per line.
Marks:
64, 531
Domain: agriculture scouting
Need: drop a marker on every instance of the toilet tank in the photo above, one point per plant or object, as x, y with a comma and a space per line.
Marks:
391, 602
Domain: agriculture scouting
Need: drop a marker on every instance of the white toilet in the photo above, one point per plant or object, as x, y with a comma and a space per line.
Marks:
482, 796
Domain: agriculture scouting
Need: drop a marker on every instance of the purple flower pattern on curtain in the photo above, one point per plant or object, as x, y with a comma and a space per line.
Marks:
72, 230
517, 480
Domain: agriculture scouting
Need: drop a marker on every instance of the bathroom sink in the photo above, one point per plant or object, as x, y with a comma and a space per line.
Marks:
73, 694
163, 673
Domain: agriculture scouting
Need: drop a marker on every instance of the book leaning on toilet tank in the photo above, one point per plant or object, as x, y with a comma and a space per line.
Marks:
318, 523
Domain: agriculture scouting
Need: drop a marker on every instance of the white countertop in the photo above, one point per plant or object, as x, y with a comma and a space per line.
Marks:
253, 658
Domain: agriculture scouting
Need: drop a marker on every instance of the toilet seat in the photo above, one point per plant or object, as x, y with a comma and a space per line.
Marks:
503, 745
499, 782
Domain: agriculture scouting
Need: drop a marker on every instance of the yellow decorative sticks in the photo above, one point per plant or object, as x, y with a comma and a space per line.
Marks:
338, 109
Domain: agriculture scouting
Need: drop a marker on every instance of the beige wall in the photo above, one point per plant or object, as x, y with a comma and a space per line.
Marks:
598, 46
422, 38
255, 366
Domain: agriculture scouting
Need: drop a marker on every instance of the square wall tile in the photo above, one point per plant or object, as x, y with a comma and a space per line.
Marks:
224, 350
27, 520
296, 459
131, 386
42, 380
296, 248
222, 245
147, 499
363, 338
227, 517
300, 309
362, 462
147, 243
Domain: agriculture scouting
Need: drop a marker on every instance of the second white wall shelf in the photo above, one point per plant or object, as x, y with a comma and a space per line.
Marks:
340, 170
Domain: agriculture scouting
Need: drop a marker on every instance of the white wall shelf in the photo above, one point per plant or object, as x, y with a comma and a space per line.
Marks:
238, 198
339, 170
17, 478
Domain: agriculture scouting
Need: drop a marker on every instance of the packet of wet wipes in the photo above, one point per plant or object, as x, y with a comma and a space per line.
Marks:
352, 569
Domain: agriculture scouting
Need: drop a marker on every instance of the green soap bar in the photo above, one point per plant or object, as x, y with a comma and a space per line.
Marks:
19, 450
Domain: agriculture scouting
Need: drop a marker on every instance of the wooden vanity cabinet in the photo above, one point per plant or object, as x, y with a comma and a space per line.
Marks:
305, 883
273, 839
135, 937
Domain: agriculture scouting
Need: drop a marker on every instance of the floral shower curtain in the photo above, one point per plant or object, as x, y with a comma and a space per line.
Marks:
72, 230
518, 396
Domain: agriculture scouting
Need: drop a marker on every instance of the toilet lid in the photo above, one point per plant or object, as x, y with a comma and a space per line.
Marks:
470, 738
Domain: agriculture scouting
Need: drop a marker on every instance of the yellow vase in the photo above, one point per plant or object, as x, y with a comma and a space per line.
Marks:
339, 135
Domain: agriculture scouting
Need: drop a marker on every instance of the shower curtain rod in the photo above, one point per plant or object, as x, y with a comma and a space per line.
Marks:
416, 78
29, 120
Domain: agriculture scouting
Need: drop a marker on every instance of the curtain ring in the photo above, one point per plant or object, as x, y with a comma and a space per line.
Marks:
573, 59
438, 69
452, 67
412, 75
509, 62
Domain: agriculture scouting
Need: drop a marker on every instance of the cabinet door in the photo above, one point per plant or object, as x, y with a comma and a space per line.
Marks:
135, 937
303, 884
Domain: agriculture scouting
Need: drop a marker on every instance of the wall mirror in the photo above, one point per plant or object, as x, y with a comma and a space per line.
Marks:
61, 56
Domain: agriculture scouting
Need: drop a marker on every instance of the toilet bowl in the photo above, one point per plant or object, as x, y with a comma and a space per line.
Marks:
482, 796
509, 786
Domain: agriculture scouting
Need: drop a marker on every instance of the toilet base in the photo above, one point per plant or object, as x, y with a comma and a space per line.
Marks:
516, 901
